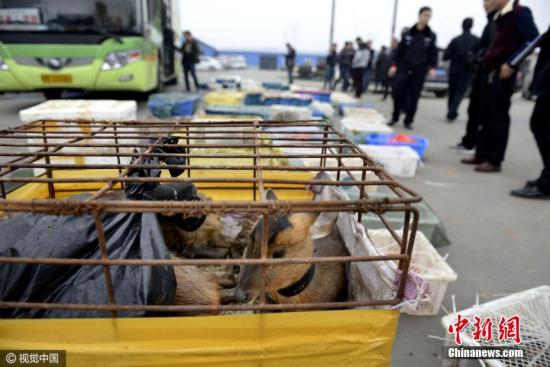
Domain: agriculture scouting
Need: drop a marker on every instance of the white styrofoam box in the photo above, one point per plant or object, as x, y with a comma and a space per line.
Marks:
288, 113
53, 110
337, 98
81, 109
324, 107
368, 113
399, 161
357, 128
238, 135
426, 262
533, 308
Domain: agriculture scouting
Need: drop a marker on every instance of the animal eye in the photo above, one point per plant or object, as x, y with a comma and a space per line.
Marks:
278, 254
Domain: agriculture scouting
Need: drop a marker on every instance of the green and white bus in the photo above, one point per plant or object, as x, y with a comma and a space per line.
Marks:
107, 45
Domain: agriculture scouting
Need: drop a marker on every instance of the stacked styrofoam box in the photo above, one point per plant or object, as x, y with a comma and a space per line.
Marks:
80, 109
533, 308
225, 81
367, 113
426, 262
322, 109
338, 98
287, 113
398, 161
357, 128
53, 110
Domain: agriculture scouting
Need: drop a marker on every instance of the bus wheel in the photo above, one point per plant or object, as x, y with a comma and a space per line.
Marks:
53, 93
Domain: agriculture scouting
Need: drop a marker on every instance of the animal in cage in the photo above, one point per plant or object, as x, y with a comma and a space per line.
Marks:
198, 286
215, 236
290, 237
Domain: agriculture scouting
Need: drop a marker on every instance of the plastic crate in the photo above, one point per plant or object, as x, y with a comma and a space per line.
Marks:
425, 262
275, 85
286, 99
428, 223
398, 161
317, 95
253, 99
418, 143
357, 128
238, 110
164, 105
533, 306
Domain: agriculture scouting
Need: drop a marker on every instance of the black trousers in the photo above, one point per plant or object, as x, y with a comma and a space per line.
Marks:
358, 75
190, 69
407, 85
496, 100
540, 126
473, 125
459, 81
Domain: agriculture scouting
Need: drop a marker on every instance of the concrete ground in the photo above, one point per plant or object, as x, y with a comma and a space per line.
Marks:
500, 244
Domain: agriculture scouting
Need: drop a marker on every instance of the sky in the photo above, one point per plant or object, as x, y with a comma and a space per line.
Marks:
266, 25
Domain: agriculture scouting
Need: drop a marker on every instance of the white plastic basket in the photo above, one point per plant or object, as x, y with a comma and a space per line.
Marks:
399, 161
533, 308
426, 262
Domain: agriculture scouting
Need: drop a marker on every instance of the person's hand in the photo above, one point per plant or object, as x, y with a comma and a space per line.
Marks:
431, 73
392, 71
506, 71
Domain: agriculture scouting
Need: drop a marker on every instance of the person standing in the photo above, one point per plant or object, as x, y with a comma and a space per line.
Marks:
416, 55
330, 62
370, 66
381, 68
189, 58
389, 79
514, 29
290, 62
540, 124
462, 52
344, 63
359, 66
473, 125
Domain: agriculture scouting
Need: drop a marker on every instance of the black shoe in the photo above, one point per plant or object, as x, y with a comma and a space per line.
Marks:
409, 126
393, 122
530, 191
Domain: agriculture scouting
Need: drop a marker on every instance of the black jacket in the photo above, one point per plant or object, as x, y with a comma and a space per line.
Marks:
417, 50
462, 52
332, 59
382, 65
290, 57
541, 78
190, 52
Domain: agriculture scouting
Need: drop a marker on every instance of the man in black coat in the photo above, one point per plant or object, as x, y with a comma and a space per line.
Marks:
189, 58
540, 124
473, 125
381, 67
290, 62
344, 63
416, 55
514, 30
462, 52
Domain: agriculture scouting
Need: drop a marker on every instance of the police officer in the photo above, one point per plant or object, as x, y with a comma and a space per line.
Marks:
462, 52
416, 55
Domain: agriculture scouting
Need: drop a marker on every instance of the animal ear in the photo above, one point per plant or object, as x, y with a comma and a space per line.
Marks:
270, 195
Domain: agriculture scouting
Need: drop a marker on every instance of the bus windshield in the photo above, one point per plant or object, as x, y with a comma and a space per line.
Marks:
70, 16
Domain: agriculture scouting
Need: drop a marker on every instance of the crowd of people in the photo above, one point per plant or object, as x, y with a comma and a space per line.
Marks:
487, 66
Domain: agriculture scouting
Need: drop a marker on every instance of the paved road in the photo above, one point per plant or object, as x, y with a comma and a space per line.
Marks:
500, 244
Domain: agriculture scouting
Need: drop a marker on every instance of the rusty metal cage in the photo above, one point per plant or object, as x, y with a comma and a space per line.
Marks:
36, 152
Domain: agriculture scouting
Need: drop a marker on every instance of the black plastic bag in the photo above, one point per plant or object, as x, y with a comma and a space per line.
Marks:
128, 236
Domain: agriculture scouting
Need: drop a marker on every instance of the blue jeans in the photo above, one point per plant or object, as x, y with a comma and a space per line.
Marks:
329, 77
345, 74
189, 68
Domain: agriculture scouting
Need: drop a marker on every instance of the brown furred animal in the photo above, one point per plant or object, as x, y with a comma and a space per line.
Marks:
290, 237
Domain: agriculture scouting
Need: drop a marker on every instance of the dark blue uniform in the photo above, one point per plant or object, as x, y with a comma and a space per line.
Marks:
462, 52
415, 54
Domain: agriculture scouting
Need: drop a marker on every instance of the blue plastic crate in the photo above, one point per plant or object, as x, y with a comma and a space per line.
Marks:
318, 95
420, 143
238, 110
275, 85
253, 99
164, 105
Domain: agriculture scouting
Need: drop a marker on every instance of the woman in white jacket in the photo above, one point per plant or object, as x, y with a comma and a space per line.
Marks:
359, 67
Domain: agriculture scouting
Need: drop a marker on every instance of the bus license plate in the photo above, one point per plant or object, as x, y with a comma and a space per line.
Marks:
57, 78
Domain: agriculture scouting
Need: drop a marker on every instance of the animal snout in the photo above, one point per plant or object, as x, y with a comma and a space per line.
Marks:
241, 296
